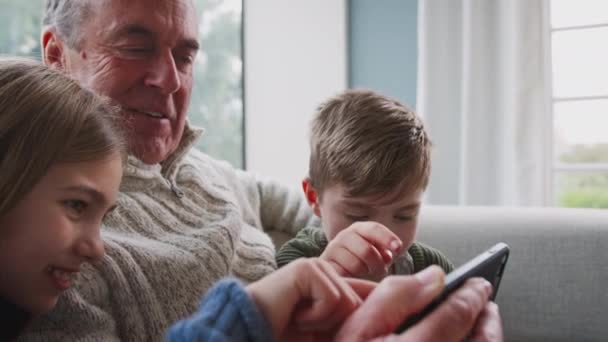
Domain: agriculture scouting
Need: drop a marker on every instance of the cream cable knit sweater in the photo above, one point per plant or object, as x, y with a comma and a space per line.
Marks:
177, 230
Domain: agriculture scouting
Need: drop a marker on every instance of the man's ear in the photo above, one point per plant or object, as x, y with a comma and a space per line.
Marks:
311, 196
53, 49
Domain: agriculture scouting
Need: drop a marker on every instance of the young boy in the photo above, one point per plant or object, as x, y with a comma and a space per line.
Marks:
369, 167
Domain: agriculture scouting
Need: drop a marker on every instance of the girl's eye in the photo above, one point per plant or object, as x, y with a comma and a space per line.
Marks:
78, 206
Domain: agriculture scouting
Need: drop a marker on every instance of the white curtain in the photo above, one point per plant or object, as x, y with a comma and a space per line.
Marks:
482, 90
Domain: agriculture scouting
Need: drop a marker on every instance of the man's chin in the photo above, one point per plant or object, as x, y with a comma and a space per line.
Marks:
152, 153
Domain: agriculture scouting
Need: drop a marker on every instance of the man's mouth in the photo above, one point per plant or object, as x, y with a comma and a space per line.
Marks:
152, 114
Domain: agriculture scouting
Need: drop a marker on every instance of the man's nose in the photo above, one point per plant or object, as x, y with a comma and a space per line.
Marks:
163, 74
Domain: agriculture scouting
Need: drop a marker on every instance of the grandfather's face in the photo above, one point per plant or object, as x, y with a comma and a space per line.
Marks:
140, 53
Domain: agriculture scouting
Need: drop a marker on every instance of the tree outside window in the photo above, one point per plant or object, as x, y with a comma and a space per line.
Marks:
578, 33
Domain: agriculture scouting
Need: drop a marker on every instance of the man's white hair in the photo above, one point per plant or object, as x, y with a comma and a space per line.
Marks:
67, 17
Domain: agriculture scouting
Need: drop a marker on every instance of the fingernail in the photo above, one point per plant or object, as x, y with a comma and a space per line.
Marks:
429, 276
396, 246
389, 254
487, 286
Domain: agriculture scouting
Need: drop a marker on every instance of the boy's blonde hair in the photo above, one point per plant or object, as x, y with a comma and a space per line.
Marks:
369, 143
46, 118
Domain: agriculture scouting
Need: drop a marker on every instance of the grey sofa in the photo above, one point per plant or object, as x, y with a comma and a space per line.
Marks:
555, 286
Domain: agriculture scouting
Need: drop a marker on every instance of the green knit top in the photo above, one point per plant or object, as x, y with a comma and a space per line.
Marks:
310, 242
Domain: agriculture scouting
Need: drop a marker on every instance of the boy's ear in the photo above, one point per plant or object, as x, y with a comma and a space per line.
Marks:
53, 49
311, 196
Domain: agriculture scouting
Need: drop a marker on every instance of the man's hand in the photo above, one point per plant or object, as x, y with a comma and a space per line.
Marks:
466, 310
307, 300
363, 250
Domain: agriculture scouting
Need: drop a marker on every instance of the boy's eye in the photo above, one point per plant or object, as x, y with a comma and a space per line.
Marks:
404, 218
77, 206
357, 217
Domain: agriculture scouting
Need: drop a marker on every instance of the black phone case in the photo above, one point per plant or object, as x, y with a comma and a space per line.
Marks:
489, 265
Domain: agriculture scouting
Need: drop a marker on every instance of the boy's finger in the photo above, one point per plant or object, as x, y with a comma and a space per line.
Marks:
352, 265
379, 236
369, 254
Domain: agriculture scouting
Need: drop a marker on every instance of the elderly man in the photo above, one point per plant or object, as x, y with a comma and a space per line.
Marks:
183, 219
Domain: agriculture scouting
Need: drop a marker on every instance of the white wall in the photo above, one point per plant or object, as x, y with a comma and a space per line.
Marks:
295, 57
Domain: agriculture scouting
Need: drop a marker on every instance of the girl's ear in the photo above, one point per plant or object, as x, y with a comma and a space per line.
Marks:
311, 196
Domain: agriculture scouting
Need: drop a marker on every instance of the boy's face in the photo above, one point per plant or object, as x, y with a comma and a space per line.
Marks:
398, 211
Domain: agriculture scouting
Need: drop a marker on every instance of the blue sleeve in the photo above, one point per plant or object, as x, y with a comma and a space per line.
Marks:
227, 313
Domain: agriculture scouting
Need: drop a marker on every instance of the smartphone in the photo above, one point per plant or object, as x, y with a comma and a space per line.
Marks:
489, 265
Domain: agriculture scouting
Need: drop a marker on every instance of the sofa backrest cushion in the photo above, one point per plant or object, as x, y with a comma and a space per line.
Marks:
555, 285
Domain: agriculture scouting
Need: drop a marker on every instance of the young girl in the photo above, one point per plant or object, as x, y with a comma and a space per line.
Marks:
60, 166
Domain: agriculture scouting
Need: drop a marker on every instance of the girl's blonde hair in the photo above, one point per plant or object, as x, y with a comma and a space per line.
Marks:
45, 118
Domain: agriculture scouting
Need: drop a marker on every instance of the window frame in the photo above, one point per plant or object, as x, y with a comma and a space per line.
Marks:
553, 166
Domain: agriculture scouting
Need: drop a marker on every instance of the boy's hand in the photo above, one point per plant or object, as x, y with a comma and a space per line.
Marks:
363, 250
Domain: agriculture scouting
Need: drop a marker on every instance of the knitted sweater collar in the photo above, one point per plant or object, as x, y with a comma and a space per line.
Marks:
167, 167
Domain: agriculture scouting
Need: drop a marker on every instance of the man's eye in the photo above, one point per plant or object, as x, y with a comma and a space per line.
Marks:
77, 206
184, 62
187, 59
138, 50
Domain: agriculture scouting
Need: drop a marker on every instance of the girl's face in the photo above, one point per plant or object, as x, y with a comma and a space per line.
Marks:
46, 237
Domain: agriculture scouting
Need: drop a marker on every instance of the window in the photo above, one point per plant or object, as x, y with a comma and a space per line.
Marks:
217, 98
579, 102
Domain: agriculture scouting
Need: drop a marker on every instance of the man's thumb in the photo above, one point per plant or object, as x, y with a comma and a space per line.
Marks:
391, 303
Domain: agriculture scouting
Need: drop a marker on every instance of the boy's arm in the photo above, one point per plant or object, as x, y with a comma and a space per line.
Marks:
308, 243
425, 255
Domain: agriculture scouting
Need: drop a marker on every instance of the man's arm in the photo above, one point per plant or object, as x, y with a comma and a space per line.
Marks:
266, 204
227, 313
281, 208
